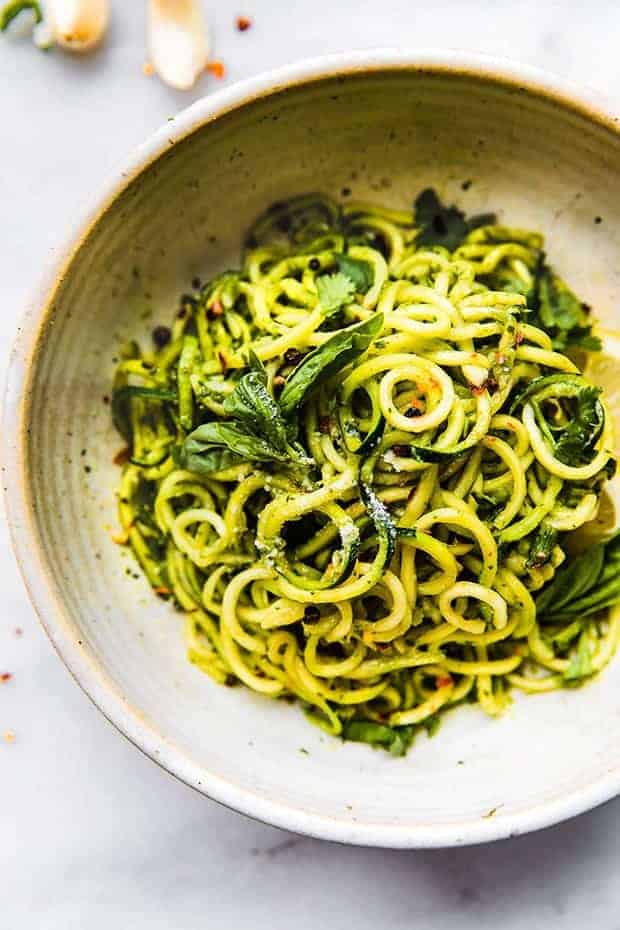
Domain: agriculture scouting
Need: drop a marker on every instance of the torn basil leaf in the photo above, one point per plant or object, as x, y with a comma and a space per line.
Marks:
327, 360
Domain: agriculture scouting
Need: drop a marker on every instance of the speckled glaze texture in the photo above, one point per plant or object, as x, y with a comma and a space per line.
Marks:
383, 125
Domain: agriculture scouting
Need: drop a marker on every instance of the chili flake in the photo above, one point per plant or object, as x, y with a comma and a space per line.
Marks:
217, 69
122, 456
215, 309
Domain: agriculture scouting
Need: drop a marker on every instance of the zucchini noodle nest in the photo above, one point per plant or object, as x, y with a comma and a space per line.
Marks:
355, 465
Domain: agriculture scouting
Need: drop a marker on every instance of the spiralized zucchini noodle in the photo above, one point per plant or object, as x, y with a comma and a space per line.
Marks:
356, 463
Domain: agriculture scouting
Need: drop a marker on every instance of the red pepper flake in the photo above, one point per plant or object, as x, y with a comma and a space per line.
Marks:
162, 590
402, 452
519, 337
500, 358
122, 457
215, 309
217, 69
325, 425
444, 681
223, 362
18, 631
5, 676
243, 23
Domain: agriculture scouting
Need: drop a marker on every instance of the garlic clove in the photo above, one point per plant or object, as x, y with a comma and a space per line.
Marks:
78, 25
178, 41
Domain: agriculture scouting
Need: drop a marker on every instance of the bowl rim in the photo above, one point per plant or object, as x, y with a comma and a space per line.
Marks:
26, 545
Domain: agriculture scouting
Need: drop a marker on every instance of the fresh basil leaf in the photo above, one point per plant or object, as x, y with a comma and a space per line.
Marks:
207, 462
252, 405
574, 578
327, 360
255, 364
358, 271
256, 431
12, 10
442, 225
335, 291
584, 585
396, 740
580, 665
234, 438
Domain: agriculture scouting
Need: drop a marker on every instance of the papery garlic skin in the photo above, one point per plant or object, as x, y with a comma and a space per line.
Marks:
178, 41
78, 25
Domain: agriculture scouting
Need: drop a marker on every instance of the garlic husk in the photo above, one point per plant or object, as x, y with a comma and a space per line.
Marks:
43, 35
178, 41
78, 25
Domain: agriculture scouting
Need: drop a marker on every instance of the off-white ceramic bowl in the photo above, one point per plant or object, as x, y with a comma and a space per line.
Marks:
385, 125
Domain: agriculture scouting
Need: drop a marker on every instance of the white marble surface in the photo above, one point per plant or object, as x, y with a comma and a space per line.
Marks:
91, 833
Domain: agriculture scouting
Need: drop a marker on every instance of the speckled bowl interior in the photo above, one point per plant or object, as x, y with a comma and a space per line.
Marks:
384, 128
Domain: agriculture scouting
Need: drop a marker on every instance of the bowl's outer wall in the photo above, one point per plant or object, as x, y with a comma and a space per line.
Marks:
383, 136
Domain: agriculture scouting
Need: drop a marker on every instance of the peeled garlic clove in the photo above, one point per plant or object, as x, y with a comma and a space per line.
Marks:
78, 25
178, 41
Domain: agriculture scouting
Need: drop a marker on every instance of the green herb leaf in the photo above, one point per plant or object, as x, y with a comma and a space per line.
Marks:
204, 460
442, 225
233, 438
576, 576
335, 291
574, 436
580, 665
432, 724
577, 439
396, 740
256, 431
584, 585
564, 317
252, 405
12, 10
358, 271
327, 360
